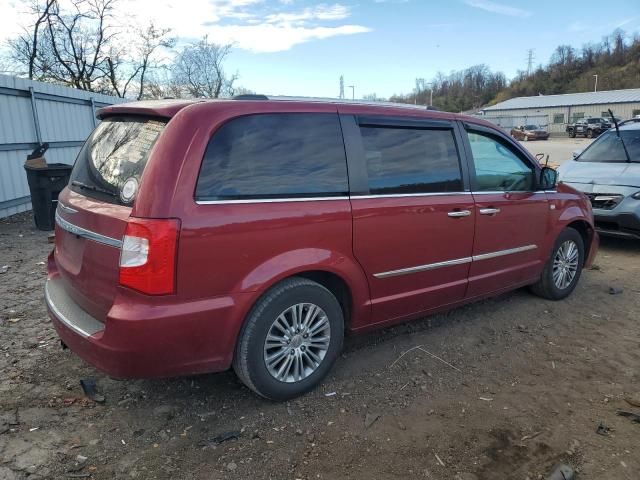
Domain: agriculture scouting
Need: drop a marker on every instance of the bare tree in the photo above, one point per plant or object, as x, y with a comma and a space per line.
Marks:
81, 46
199, 68
130, 65
26, 44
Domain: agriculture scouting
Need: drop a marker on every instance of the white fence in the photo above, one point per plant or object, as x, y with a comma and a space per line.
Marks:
32, 113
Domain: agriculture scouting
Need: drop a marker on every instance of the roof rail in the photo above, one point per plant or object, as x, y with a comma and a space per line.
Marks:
250, 96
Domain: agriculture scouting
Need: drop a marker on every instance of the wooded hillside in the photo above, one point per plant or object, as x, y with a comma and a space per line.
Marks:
616, 61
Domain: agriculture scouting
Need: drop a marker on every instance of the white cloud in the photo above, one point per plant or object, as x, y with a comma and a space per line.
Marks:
277, 38
248, 24
319, 12
254, 25
498, 8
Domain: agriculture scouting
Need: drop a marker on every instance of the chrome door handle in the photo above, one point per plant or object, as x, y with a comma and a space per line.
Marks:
489, 211
459, 213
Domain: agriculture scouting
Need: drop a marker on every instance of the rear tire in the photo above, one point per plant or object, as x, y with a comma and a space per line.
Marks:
589, 133
572, 134
290, 340
563, 268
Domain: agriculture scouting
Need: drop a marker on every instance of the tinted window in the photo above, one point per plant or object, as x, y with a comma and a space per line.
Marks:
497, 167
406, 160
609, 148
116, 152
275, 155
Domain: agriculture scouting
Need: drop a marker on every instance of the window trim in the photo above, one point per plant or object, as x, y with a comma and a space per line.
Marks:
356, 160
275, 198
501, 137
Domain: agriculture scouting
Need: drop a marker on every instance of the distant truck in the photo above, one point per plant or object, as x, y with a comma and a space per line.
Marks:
589, 127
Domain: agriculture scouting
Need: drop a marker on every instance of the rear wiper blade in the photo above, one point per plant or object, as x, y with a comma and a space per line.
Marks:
93, 188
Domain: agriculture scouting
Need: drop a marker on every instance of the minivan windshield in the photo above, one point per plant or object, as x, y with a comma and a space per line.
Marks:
609, 148
531, 127
111, 162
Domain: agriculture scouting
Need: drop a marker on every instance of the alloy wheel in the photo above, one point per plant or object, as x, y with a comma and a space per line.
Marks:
297, 342
565, 264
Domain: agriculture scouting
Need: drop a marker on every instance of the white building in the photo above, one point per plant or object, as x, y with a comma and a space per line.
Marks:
555, 111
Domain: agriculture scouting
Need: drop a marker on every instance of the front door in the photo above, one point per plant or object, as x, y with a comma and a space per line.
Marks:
413, 224
512, 218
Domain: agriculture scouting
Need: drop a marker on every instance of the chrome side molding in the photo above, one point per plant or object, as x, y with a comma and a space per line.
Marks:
88, 234
422, 268
500, 253
457, 261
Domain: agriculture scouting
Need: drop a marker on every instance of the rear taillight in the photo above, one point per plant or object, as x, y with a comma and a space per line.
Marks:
148, 255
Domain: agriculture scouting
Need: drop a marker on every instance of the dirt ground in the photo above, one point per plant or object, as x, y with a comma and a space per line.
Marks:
525, 385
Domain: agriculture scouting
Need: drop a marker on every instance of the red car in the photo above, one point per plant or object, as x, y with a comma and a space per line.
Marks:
529, 132
199, 235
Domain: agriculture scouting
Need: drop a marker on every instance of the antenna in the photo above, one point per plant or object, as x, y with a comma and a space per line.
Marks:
341, 87
530, 58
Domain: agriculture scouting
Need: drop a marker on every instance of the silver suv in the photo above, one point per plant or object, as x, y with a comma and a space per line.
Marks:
608, 172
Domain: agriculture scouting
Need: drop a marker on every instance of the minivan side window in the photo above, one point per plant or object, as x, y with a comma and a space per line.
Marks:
411, 160
275, 156
497, 166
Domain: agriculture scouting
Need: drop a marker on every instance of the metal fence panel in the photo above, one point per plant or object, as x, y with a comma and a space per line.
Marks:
507, 122
34, 112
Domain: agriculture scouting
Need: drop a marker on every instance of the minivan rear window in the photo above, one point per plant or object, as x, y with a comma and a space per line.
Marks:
111, 162
276, 155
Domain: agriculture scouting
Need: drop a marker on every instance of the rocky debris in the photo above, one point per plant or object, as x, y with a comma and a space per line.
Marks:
603, 430
562, 472
615, 290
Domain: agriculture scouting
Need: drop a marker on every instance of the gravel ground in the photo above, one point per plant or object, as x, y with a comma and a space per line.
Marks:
525, 385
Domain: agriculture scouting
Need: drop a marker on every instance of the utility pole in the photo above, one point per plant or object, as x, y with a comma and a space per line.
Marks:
353, 91
341, 96
595, 88
530, 58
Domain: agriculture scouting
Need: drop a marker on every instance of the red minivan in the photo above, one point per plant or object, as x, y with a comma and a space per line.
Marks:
198, 235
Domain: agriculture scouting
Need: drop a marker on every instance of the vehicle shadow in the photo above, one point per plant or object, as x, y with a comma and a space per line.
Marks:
623, 245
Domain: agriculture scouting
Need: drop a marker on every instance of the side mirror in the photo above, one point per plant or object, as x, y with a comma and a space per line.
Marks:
576, 153
548, 178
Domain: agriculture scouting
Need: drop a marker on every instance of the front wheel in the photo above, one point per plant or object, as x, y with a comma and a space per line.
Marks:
562, 271
290, 339
589, 133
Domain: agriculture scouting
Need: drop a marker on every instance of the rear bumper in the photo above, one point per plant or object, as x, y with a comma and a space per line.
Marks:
149, 340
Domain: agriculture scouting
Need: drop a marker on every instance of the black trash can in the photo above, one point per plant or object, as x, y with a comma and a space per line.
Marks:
45, 184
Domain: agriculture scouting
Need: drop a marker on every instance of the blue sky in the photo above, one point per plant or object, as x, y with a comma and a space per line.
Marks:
418, 38
301, 47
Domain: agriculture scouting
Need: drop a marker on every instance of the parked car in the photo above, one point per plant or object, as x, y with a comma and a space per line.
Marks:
608, 172
588, 127
199, 235
529, 132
